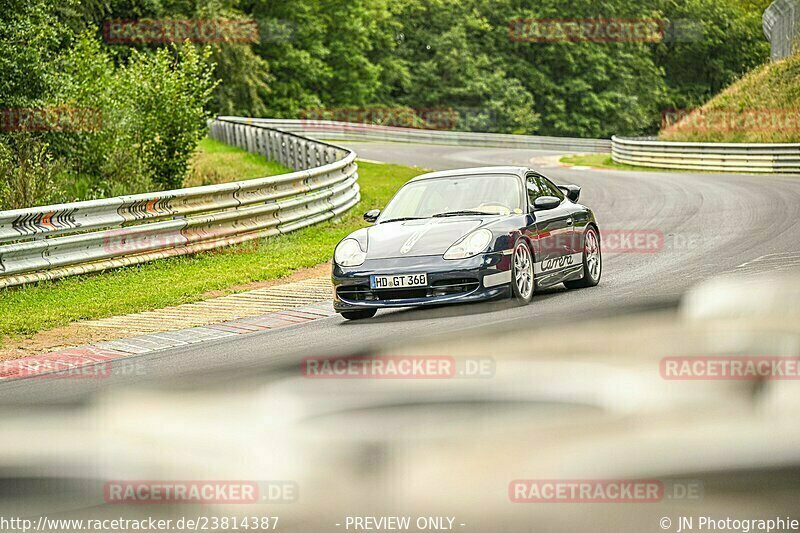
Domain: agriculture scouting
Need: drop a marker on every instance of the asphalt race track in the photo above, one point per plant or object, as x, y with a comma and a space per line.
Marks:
711, 224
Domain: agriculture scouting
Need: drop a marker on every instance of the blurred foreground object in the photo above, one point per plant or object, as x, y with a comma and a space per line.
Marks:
554, 405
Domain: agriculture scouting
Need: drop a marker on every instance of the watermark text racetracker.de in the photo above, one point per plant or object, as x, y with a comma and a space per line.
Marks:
603, 490
594, 30
613, 240
199, 492
397, 367
51, 119
175, 30
426, 118
87, 362
620, 241
728, 120
730, 368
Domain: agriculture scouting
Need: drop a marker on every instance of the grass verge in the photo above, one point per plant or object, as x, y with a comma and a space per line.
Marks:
31, 309
603, 161
216, 162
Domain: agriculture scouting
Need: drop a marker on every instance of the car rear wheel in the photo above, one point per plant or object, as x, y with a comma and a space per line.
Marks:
360, 314
592, 262
522, 273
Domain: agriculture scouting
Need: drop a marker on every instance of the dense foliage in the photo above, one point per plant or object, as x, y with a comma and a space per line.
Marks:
458, 54
81, 122
314, 57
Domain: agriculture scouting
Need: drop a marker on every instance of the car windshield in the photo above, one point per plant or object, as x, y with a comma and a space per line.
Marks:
454, 196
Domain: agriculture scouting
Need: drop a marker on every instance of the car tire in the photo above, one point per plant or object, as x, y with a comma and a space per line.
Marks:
522, 273
592, 261
360, 314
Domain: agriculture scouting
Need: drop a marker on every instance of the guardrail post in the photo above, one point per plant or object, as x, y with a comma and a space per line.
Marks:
262, 143
316, 162
292, 153
306, 154
284, 151
249, 140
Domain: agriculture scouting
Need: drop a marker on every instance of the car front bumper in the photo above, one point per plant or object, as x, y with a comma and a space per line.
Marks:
482, 277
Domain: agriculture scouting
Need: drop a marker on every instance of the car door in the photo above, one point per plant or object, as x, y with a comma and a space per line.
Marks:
552, 232
574, 242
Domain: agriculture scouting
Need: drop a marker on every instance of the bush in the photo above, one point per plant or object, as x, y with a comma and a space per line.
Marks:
153, 115
164, 95
152, 109
28, 173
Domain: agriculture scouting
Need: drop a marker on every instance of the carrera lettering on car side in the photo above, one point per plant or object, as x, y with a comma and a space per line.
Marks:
557, 263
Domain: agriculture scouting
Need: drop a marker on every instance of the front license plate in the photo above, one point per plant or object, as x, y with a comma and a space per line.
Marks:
399, 281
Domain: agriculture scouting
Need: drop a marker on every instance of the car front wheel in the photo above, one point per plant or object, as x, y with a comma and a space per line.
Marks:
522, 273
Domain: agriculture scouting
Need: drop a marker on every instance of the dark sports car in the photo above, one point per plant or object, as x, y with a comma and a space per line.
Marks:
467, 235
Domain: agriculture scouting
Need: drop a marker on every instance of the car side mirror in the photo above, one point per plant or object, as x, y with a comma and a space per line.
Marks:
544, 203
372, 215
573, 192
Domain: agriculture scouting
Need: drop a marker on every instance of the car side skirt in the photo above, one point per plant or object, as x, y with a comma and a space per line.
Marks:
570, 273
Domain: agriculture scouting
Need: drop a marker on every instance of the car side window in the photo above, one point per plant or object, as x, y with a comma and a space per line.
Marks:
533, 189
551, 188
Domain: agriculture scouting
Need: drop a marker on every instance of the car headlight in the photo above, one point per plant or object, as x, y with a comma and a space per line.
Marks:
473, 244
349, 253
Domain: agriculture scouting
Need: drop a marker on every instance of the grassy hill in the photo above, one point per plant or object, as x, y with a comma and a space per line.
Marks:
763, 106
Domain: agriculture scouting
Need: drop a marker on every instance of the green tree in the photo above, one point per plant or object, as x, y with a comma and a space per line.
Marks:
31, 37
722, 40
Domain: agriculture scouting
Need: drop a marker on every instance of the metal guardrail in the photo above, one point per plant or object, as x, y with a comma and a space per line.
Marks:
646, 151
781, 23
54, 241
730, 157
335, 130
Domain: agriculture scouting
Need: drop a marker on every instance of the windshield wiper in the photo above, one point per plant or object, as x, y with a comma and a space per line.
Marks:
460, 213
401, 219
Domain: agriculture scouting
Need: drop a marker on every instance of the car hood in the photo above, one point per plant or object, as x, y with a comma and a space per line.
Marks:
414, 238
